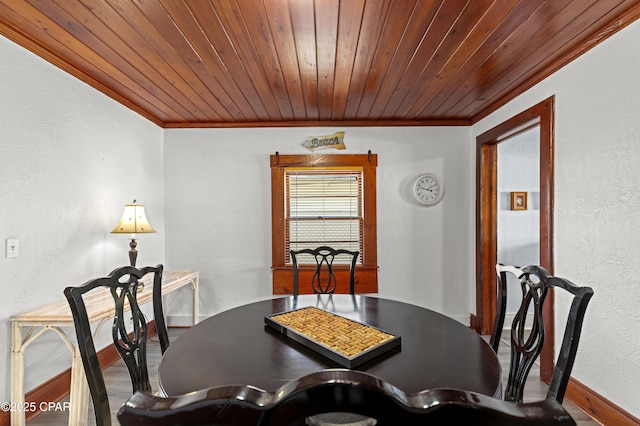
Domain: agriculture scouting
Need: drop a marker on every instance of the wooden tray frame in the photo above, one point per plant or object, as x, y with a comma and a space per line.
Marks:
342, 359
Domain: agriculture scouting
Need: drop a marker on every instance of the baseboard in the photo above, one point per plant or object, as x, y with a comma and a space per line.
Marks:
597, 407
48, 392
473, 323
58, 387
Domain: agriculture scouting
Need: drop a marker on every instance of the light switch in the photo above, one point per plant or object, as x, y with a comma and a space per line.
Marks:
12, 247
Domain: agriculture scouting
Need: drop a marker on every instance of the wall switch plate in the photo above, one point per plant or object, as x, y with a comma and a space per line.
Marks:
12, 247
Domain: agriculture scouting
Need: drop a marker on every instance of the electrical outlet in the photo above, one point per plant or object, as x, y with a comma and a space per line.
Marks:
12, 247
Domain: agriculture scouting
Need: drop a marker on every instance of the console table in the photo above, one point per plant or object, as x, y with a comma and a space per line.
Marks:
28, 326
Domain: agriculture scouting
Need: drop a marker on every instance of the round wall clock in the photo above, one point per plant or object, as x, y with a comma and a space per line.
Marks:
427, 189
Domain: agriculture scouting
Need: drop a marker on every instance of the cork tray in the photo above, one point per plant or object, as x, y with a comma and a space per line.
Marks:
347, 342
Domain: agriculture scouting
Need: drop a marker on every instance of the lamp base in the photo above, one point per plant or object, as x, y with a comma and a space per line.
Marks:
133, 253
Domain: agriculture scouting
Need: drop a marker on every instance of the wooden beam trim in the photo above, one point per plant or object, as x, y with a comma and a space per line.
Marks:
325, 123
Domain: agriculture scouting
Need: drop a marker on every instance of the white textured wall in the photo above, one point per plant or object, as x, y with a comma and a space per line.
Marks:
218, 211
597, 205
70, 158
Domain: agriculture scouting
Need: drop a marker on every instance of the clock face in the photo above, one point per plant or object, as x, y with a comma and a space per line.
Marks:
427, 189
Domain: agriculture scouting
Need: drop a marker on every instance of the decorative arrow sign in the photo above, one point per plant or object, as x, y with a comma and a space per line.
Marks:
335, 141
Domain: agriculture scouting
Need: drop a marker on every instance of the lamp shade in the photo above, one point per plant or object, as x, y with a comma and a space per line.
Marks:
133, 221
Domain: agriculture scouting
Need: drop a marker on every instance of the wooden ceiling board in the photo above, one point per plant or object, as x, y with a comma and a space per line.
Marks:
126, 49
517, 50
450, 34
249, 63
419, 37
265, 59
326, 46
373, 19
188, 36
347, 45
248, 56
230, 68
460, 70
157, 78
383, 64
281, 28
182, 82
471, 73
548, 52
303, 33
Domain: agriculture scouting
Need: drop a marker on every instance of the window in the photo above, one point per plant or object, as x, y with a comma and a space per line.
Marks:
323, 206
324, 200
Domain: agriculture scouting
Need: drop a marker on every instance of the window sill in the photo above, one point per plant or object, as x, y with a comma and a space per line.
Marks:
366, 279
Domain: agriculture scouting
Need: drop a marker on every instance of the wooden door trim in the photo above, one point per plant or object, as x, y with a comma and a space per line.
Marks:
486, 219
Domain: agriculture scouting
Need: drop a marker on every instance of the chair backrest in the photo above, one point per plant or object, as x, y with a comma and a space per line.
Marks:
501, 303
324, 278
528, 332
336, 391
129, 338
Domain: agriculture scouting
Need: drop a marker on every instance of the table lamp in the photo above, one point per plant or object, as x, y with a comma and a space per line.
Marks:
134, 221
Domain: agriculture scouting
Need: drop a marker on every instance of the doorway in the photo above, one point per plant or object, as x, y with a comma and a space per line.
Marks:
487, 218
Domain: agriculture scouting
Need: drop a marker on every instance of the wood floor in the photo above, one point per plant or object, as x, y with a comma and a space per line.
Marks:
119, 387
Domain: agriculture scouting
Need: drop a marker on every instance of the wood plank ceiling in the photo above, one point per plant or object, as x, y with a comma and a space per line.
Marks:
244, 63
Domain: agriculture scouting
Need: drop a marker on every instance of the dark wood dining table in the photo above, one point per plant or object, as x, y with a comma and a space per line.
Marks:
235, 347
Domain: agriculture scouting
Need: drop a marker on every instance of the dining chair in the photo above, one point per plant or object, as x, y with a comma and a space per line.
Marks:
129, 336
339, 390
324, 278
527, 329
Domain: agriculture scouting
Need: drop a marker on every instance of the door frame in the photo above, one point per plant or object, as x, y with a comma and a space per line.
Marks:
486, 218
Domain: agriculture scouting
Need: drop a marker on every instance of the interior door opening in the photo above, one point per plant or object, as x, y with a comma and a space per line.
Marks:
487, 193
518, 208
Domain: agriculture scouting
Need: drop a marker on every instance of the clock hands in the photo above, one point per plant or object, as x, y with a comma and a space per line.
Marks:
428, 188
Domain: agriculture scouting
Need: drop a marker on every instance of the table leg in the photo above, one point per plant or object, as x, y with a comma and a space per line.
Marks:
195, 285
17, 375
78, 398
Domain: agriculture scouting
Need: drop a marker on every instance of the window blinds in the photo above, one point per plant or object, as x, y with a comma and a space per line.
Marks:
323, 207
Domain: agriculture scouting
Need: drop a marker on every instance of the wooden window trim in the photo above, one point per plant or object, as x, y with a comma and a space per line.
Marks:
367, 273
